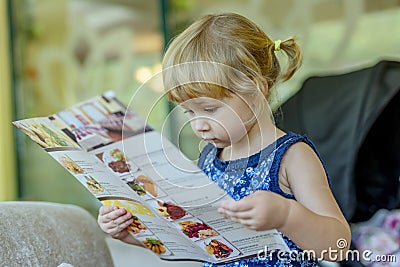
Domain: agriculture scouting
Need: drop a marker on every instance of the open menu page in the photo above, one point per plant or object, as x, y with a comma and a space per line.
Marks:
124, 162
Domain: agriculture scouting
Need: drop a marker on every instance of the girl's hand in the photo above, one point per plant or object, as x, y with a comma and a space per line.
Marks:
259, 211
114, 221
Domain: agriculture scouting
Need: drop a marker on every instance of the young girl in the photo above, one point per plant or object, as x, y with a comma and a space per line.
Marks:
221, 70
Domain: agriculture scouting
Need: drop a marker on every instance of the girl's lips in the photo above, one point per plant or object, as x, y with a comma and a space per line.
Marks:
209, 139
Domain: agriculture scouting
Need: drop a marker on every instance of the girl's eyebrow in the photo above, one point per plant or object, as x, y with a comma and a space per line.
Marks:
182, 106
185, 106
191, 102
200, 102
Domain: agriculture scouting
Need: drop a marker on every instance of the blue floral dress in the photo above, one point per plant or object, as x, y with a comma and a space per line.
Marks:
242, 177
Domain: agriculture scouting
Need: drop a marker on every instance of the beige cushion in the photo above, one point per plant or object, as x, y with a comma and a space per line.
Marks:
49, 234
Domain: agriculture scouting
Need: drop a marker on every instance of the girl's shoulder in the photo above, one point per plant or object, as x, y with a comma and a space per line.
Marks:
301, 160
299, 148
298, 152
295, 145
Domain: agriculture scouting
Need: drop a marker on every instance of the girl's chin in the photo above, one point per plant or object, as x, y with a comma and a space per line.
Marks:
216, 142
220, 144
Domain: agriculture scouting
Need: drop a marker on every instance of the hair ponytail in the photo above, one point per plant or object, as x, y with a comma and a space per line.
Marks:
295, 57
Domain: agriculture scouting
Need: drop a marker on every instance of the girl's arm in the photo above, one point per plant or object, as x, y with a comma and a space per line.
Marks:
313, 221
319, 216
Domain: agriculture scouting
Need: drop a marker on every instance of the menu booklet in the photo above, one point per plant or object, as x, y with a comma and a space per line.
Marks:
124, 162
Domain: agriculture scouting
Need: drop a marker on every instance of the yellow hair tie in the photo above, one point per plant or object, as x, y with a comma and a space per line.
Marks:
277, 45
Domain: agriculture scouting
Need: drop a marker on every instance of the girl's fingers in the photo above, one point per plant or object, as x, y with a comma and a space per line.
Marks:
106, 209
245, 222
246, 214
107, 215
116, 228
120, 219
242, 205
113, 219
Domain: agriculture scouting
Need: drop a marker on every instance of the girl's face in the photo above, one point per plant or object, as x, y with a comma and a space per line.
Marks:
222, 122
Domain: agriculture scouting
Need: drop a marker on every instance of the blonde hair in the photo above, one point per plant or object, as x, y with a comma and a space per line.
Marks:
240, 57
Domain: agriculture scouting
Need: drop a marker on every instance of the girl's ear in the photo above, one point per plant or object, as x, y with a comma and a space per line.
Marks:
265, 88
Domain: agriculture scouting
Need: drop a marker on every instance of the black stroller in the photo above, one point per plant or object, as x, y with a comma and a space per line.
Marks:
354, 121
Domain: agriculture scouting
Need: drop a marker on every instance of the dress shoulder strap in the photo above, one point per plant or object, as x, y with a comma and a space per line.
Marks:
282, 146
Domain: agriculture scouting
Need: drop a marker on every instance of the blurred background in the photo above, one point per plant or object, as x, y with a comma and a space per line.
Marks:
56, 53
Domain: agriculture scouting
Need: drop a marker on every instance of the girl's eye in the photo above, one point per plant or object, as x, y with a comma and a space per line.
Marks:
210, 110
188, 111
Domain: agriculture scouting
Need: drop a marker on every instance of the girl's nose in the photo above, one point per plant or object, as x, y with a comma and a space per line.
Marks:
200, 124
